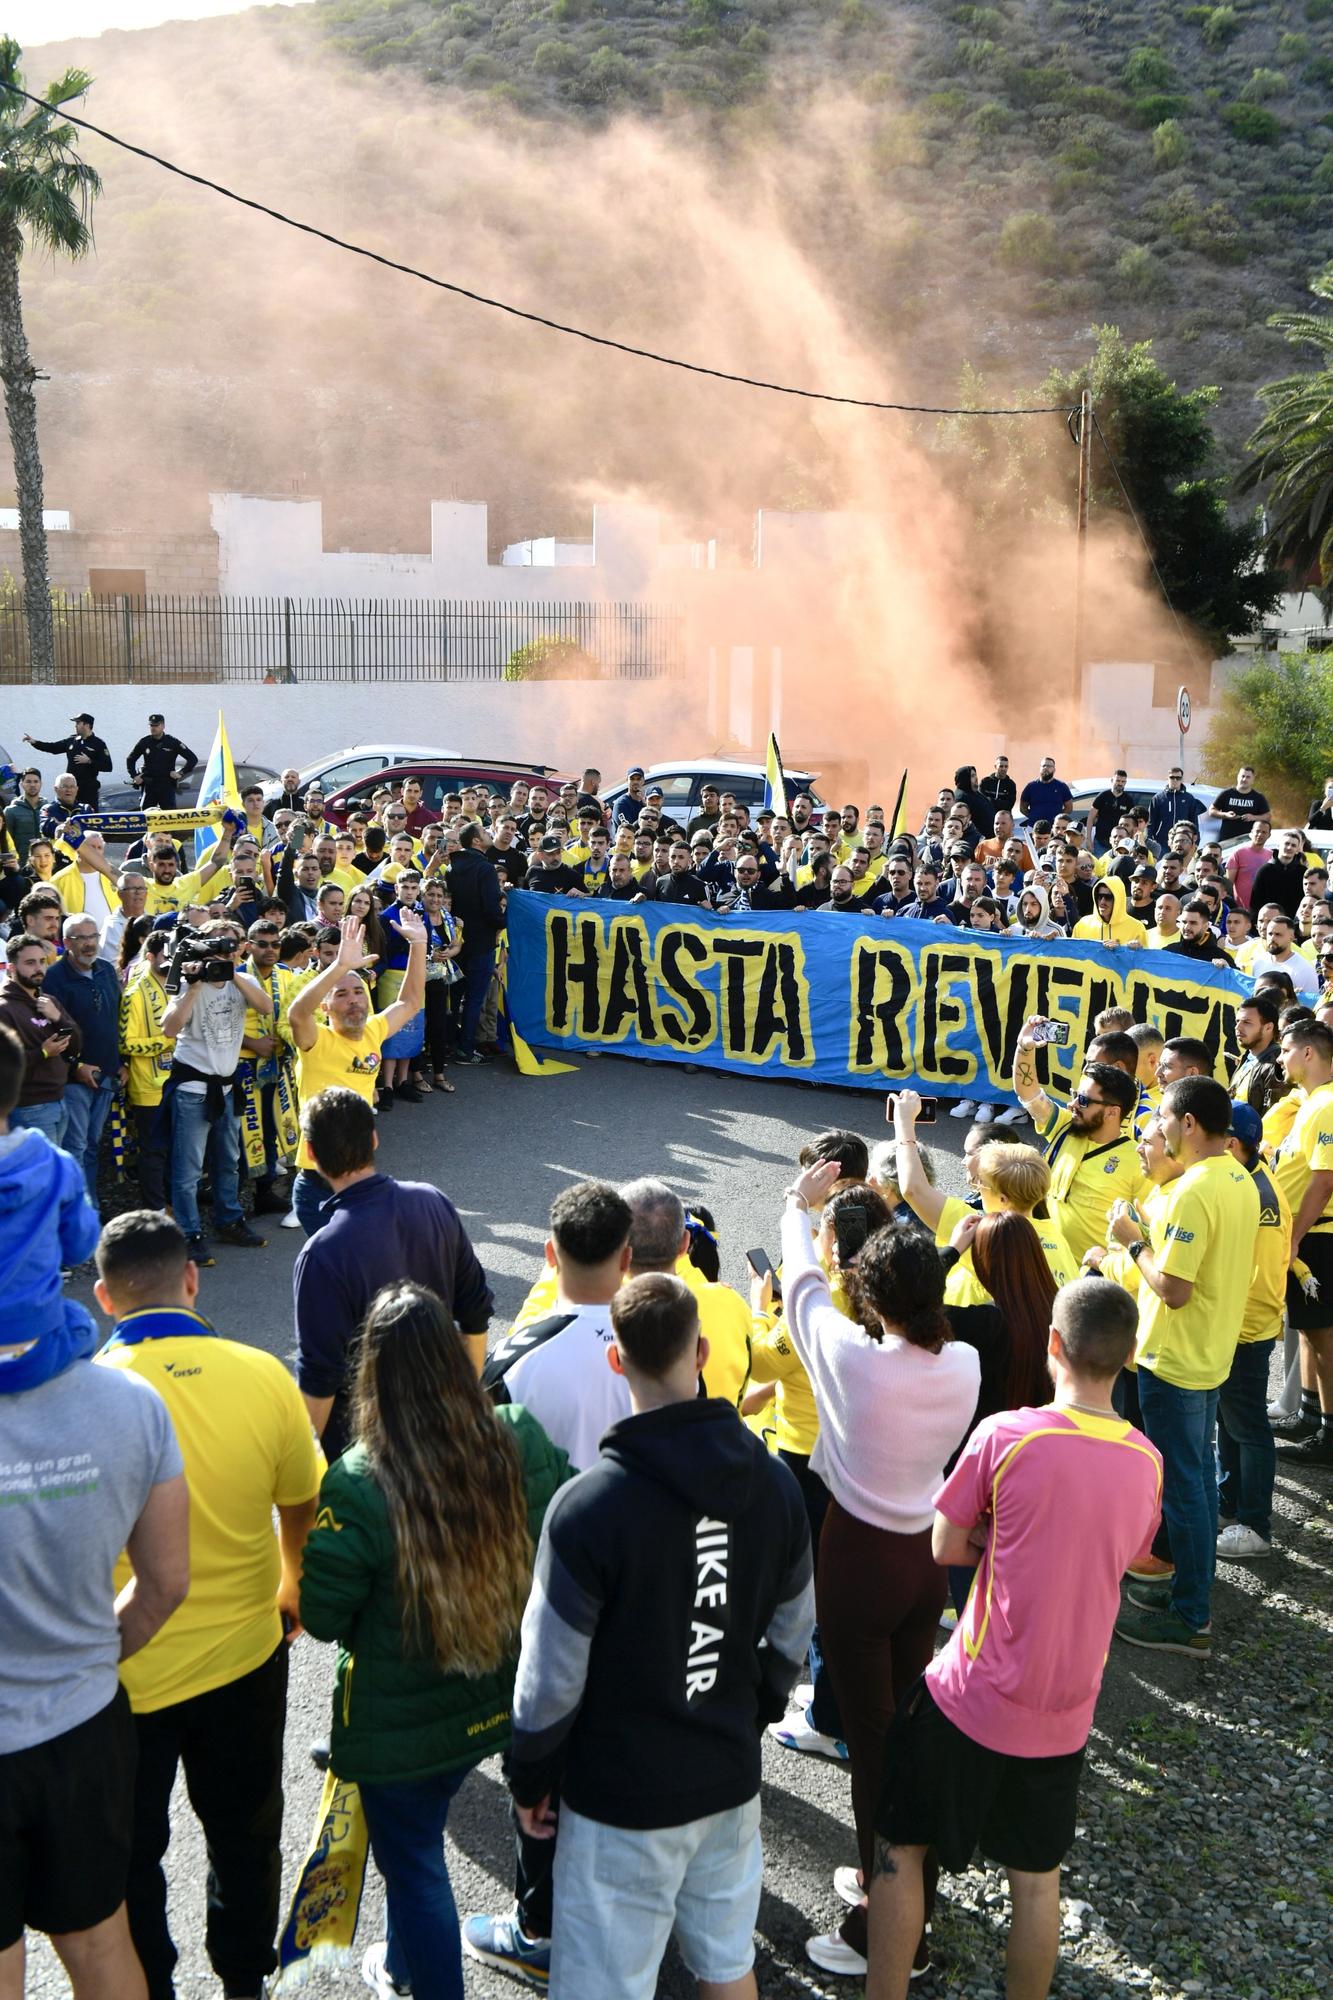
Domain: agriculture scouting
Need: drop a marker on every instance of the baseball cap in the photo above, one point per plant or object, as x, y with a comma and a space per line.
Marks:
1246, 1124
151, 720
1144, 869
634, 771
548, 844
656, 792
85, 717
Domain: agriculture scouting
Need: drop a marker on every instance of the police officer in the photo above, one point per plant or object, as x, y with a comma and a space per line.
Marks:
159, 777
85, 755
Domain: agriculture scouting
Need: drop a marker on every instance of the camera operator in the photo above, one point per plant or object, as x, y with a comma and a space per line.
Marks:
206, 1014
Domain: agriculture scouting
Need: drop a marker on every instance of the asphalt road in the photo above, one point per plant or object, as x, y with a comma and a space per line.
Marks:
501, 1148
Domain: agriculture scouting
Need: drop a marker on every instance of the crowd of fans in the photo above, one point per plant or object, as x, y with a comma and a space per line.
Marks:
658, 1517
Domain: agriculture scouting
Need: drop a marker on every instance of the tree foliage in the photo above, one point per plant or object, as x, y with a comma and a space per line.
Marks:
1278, 717
1293, 450
1161, 440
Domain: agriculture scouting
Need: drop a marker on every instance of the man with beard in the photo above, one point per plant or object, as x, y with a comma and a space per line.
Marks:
169, 889
842, 896
681, 884
49, 1036
1089, 1147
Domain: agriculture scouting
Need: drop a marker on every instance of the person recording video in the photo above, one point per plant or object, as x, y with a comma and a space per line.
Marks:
206, 1014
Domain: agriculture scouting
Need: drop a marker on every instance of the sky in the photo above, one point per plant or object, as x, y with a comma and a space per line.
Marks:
32, 22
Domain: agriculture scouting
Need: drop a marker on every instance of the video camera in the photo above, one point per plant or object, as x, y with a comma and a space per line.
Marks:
199, 957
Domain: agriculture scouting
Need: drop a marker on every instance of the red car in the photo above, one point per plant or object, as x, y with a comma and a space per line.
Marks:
436, 779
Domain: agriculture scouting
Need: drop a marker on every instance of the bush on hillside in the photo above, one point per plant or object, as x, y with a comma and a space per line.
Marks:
1169, 145
1029, 241
1263, 84
1221, 27
1251, 123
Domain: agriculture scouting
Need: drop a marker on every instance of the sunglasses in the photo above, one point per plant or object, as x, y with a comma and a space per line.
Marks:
1081, 1097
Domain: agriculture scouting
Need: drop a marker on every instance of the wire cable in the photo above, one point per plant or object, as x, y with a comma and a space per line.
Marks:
1129, 505
518, 312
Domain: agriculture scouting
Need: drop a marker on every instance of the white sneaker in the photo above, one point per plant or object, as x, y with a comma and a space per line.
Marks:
376, 1974
802, 1695
1235, 1542
291, 1220
1014, 1114
794, 1733
847, 1884
985, 1114
965, 1108
832, 1955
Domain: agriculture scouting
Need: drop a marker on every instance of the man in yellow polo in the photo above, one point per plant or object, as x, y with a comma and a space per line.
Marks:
1089, 1147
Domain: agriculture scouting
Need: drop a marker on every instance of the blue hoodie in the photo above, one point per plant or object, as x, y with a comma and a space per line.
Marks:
46, 1220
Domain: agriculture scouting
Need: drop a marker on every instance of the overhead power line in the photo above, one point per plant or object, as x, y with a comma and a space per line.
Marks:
519, 312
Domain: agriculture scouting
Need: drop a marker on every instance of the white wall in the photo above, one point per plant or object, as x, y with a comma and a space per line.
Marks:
565, 724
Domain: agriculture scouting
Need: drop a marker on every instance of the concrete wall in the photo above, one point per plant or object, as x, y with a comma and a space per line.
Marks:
564, 724
174, 565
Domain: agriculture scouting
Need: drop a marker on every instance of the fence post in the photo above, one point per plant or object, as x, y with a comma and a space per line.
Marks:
287, 673
127, 635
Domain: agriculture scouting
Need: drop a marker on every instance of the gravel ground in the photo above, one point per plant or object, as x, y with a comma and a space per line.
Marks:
1201, 1864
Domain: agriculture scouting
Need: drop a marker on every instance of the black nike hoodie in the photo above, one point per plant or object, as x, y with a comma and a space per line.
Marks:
671, 1607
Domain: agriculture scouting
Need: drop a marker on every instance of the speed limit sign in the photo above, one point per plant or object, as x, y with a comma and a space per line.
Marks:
1183, 710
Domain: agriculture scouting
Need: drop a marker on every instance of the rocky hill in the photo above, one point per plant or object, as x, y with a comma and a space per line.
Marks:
872, 194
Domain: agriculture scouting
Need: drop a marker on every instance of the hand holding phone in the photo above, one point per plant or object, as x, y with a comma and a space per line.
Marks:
1055, 1033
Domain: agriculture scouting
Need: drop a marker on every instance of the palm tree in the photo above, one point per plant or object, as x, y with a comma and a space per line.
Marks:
46, 196
1293, 449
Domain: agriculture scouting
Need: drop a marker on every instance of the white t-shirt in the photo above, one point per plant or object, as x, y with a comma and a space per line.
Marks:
1299, 970
568, 1385
211, 1039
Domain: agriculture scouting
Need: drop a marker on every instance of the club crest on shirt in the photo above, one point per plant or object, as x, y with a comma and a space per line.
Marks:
367, 1064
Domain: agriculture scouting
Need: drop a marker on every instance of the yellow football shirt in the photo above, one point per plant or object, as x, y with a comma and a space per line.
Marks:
1086, 1178
351, 1061
197, 887
1050, 1235
245, 1437
1307, 1149
1272, 1254
1204, 1230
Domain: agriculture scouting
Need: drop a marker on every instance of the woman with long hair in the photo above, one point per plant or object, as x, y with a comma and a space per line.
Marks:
1007, 1257
895, 1395
419, 1565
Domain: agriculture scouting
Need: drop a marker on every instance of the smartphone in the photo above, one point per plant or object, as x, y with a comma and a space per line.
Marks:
761, 1264
925, 1116
1054, 1032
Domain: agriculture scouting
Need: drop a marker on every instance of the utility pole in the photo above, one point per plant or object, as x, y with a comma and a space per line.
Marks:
1081, 547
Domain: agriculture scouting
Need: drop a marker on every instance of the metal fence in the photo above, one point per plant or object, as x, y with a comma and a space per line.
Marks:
154, 639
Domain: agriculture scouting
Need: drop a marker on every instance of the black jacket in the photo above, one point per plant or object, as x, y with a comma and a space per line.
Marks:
1280, 882
1258, 1079
686, 888
84, 775
672, 1604
159, 755
553, 881
476, 901
285, 802
1002, 792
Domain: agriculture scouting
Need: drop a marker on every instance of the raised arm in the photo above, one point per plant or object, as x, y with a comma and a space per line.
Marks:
923, 1200
1029, 1092
351, 958
412, 996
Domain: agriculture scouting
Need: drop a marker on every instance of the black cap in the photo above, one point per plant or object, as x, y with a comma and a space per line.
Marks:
549, 844
656, 792
85, 717
634, 771
154, 718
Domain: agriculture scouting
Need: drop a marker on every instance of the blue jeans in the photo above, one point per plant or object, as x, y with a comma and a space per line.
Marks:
406, 1826
1181, 1423
309, 1193
49, 1118
85, 1115
478, 971
1246, 1459
191, 1137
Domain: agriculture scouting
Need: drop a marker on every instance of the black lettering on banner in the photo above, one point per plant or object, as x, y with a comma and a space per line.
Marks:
942, 1011
679, 953
883, 984
1201, 1011
629, 997
779, 1020
735, 956
570, 967
999, 1037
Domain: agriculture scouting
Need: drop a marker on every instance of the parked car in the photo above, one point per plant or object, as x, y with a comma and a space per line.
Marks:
682, 785
360, 760
438, 776
1142, 792
124, 797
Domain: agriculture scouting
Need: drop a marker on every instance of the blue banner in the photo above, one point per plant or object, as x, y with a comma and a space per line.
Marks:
862, 1001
